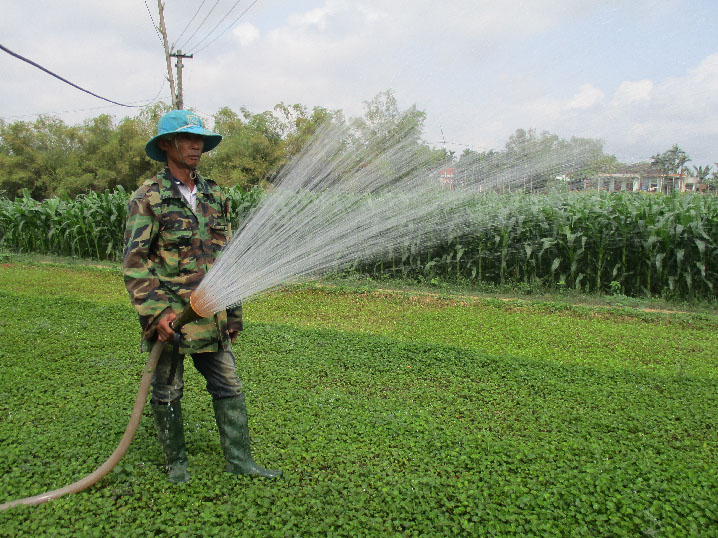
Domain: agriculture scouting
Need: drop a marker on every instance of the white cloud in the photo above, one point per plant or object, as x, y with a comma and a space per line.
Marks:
629, 93
246, 33
588, 96
644, 117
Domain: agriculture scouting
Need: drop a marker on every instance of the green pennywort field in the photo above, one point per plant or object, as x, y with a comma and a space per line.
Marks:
390, 414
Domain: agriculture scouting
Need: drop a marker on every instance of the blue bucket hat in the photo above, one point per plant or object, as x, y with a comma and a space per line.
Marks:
180, 121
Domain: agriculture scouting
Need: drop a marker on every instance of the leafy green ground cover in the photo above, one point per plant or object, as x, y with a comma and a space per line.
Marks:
390, 414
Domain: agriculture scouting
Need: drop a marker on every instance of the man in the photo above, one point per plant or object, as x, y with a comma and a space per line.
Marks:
176, 226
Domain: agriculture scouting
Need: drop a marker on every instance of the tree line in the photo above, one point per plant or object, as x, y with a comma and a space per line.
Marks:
47, 158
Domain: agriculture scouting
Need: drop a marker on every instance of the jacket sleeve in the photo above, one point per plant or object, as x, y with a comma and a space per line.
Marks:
234, 318
142, 284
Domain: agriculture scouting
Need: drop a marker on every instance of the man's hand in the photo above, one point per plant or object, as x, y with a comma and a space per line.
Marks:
164, 331
233, 334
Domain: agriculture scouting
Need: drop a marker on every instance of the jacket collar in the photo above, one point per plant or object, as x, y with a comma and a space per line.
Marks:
169, 185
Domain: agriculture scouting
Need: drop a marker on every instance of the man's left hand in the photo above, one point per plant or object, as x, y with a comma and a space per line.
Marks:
233, 334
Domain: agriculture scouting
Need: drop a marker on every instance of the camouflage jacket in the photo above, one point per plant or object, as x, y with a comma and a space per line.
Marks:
168, 250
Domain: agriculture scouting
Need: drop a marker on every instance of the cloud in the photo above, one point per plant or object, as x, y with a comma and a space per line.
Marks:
645, 116
246, 33
631, 93
588, 96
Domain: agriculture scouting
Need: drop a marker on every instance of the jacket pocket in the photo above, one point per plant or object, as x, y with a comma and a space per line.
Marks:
177, 252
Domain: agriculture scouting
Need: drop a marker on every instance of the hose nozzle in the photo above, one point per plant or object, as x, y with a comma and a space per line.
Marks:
188, 315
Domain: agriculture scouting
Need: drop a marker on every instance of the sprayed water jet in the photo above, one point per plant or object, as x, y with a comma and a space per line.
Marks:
342, 200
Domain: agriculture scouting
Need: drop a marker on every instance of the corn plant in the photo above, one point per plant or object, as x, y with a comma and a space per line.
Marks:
90, 226
640, 244
636, 243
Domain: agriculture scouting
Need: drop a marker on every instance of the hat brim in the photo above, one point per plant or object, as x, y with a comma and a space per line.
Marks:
211, 141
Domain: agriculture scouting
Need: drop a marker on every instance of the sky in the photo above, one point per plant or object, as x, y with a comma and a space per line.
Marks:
640, 75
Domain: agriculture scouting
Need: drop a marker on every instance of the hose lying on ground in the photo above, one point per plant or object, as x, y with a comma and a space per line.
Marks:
84, 483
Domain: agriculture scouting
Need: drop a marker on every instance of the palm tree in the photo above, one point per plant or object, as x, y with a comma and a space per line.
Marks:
672, 161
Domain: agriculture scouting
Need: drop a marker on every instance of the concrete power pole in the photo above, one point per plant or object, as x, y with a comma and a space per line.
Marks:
163, 32
179, 99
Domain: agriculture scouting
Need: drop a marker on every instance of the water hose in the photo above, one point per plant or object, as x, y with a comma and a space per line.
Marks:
187, 316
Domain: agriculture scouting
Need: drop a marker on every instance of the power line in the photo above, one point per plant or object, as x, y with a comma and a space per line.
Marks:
190, 21
145, 102
228, 27
200, 24
153, 22
63, 79
220, 22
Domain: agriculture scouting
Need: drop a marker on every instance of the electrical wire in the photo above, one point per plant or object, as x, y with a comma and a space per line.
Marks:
145, 102
200, 25
226, 29
153, 23
190, 21
217, 25
16, 55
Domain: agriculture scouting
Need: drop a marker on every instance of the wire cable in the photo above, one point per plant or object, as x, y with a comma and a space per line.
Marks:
200, 24
190, 21
218, 24
226, 29
145, 102
11, 53
153, 23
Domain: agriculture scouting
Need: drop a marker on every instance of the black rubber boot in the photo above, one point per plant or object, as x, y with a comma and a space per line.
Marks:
170, 430
231, 416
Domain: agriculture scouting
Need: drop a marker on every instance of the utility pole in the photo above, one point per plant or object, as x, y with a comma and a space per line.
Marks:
163, 32
179, 99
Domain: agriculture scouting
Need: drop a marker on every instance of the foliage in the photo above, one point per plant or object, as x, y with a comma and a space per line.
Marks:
388, 415
713, 180
672, 161
636, 244
251, 148
641, 244
524, 150
90, 226
51, 159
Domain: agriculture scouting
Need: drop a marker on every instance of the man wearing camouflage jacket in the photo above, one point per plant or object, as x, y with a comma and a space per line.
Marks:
176, 226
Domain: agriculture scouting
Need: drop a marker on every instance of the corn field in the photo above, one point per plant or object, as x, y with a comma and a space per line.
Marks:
632, 243
90, 226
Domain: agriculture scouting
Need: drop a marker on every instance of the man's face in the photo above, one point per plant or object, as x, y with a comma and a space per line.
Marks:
185, 150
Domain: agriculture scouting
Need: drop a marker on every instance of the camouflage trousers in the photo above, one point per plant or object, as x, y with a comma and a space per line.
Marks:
217, 367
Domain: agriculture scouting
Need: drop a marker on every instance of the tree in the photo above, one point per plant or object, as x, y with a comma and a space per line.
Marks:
672, 161
251, 149
38, 156
394, 136
534, 162
712, 182
384, 125
298, 126
702, 172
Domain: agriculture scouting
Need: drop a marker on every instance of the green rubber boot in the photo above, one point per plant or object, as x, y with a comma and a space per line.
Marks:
170, 430
231, 416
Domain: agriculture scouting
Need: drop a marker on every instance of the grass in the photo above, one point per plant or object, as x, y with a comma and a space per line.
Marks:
390, 413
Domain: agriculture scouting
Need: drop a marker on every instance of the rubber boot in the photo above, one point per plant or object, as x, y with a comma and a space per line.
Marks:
170, 430
231, 416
